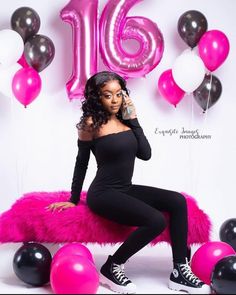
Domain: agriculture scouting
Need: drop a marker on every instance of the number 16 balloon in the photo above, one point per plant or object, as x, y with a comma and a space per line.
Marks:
114, 27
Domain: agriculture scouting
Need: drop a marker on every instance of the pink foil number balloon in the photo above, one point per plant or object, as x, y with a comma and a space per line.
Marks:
26, 85
82, 15
115, 27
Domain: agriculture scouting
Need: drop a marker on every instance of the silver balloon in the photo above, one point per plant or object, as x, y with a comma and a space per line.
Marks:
39, 52
26, 22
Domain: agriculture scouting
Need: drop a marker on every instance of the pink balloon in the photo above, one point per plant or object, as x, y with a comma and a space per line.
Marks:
169, 89
82, 16
213, 49
22, 61
206, 257
116, 27
26, 85
74, 274
72, 249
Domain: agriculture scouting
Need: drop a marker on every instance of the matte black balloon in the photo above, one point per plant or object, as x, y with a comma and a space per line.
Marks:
223, 277
191, 26
228, 232
39, 52
208, 93
31, 264
26, 22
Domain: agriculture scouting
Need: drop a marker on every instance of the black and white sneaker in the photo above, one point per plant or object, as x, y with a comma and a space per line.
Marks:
183, 279
113, 276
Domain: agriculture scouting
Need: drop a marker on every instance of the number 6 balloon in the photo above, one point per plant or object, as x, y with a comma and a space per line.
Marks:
114, 27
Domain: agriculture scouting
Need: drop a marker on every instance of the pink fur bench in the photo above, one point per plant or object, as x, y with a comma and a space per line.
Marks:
27, 220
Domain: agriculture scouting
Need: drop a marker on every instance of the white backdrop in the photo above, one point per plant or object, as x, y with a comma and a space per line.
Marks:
38, 144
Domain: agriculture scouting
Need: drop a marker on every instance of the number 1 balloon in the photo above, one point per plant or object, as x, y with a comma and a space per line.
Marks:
82, 16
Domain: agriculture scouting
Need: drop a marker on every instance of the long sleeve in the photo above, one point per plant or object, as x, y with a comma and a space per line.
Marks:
144, 148
80, 169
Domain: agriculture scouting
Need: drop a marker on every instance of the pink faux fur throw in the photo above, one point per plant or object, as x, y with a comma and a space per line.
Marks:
28, 220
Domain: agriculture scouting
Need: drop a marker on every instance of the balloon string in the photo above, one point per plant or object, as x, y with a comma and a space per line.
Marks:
13, 125
190, 150
205, 112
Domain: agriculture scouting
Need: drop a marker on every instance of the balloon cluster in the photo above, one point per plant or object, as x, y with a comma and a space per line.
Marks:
70, 271
214, 262
109, 34
25, 53
192, 70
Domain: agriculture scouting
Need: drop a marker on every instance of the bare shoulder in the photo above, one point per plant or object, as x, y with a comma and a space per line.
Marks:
86, 133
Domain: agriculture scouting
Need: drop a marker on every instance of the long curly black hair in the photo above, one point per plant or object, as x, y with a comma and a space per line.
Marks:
91, 104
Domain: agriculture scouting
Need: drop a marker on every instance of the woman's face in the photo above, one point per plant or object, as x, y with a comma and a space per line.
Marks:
111, 96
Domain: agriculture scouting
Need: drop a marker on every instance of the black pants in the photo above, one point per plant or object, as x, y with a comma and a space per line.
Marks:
143, 206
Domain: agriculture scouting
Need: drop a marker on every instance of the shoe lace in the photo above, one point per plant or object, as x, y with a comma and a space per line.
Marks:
187, 272
118, 270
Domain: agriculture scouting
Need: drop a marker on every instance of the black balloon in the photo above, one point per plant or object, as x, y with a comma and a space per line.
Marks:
208, 93
31, 264
228, 232
223, 277
191, 26
26, 22
39, 52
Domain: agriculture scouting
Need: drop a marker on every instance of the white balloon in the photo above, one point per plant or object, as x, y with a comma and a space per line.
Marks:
11, 47
188, 71
6, 77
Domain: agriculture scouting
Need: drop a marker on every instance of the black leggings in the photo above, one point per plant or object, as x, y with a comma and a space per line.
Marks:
142, 206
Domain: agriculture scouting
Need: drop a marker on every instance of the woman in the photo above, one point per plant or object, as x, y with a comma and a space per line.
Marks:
116, 143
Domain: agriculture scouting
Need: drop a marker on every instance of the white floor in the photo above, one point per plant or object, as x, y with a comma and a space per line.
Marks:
149, 269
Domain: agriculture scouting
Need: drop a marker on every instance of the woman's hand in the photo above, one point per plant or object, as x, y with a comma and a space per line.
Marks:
60, 206
129, 103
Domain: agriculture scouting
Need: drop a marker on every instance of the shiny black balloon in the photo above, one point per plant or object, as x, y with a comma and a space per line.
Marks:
228, 232
39, 52
208, 93
26, 22
31, 264
191, 26
223, 277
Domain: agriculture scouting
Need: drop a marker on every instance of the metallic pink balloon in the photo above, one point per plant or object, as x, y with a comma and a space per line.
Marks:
169, 89
213, 49
82, 15
115, 27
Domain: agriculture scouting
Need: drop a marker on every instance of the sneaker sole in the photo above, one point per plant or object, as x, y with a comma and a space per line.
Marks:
191, 290
116, 288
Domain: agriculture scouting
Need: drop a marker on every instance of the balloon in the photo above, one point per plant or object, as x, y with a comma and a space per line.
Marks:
213, 49
116, 27
74, 249
39, 52
26, 85
74, 274
206, 257
22, 61
11, 48
188, 71
223, 278
6, 76
82, 15
209, 92
191, 26
31, 264
169, 89
25, 21
228, 232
